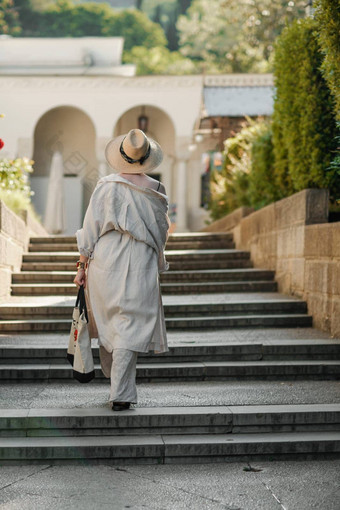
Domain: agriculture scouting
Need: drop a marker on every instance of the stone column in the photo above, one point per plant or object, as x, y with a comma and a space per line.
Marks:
103, 167
181, 196
182, 158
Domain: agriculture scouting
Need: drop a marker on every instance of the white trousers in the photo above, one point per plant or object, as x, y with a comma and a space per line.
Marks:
123, 376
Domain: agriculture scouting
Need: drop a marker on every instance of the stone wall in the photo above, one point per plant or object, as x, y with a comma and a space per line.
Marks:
322, 275
15, 232
292, 237
230, 221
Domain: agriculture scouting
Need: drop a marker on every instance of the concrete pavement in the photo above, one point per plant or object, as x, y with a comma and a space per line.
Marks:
283, 485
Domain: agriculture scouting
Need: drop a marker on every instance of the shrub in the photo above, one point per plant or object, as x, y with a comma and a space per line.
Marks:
327, 15
334, 173
246, 178
304, 126
15, 190
262, 187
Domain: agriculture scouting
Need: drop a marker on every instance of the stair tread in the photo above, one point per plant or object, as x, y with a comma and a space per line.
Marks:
165, 439
202, 251
180, 236
171, 305
175, 272
200, 318
182, 365
218, 299
192, 345
171, 411
178, 284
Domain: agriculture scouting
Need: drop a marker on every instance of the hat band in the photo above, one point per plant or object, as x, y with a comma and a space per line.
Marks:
130, 160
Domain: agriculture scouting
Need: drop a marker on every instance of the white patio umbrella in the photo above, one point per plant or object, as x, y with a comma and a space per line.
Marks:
55, 214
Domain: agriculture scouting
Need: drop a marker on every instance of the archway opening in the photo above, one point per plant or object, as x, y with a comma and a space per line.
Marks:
159, 127
69, 131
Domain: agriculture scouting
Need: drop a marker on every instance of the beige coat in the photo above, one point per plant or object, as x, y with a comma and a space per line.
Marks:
124, 234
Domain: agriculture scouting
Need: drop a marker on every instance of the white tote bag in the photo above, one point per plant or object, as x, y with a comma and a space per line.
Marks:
79, 352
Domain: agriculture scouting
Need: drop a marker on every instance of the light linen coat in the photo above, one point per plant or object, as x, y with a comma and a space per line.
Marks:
124, 234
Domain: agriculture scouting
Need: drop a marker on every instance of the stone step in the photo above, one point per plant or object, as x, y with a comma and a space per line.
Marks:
236, 321
171, 245
180, 237
260, 306
284, 350
169, 448
172, 256
175, 266
169, 420
73, 395
210, 275
65, 289
188, 371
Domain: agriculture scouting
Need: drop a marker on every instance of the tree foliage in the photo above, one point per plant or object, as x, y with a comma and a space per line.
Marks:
235, 35
9, 18
66, 19
158, 60
137, 29
166, 13
300, 148
328, 20
304, 124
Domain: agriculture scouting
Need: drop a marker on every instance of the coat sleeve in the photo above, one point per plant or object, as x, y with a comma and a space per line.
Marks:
93, 221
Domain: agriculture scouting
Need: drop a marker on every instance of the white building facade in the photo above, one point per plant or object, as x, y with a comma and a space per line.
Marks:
75, 102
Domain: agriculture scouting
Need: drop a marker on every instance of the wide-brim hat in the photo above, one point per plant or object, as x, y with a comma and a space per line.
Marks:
133, 153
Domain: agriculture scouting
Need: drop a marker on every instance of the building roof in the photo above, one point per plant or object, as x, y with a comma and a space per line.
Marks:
239, 80
238, 101
62, 55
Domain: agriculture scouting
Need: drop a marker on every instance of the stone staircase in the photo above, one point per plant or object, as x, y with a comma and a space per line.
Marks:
199, 264
48, 267
227, 325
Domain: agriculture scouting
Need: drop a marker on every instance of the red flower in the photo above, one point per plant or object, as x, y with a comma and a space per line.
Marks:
1, 143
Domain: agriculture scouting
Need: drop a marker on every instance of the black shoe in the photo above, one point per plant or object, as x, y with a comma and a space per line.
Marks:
120, 406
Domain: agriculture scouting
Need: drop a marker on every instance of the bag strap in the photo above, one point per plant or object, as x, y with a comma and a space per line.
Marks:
78, 298
82, 302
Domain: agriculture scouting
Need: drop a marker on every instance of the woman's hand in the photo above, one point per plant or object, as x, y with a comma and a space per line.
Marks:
80, 278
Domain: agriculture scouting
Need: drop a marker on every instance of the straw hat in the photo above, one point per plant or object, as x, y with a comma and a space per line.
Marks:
133, 153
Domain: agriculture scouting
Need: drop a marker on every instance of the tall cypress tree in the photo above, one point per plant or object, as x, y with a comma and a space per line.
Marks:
304, 126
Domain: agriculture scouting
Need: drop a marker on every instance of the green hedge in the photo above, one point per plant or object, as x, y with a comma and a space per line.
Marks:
304, 125
262, 187
327, 13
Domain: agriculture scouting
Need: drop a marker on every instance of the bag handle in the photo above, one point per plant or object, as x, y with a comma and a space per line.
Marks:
82, 302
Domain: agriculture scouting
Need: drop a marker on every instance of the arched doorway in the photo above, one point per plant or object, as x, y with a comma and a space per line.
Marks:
69, 131
159, 127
